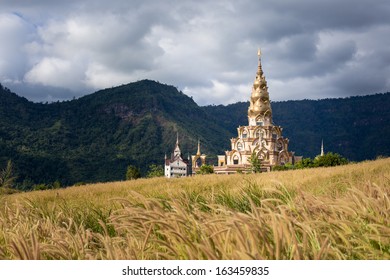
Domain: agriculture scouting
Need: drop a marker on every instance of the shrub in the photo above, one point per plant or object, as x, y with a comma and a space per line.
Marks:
330, 159
304, 163
40, 187
205, 169
155, 171
132, 173
287, 166
6, 176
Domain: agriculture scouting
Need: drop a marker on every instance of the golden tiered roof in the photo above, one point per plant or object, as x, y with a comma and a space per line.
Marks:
260, 107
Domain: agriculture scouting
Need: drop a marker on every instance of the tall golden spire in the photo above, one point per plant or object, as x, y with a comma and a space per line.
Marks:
259, 72
198, 152
259, 111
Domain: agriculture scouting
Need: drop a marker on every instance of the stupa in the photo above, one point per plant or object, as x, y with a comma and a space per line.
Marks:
260, 138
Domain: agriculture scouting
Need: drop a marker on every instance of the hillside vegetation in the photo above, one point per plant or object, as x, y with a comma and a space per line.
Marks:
94, 138
323, 213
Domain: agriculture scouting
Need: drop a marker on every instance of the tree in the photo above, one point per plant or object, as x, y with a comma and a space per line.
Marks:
205, 169
155, 171
330, 159
6, 176
255, 162
132, 173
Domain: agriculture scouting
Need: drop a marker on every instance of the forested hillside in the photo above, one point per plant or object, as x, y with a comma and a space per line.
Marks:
94, 138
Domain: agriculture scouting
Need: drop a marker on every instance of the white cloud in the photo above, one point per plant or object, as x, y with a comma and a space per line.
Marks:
52, 71
219, 92
207, 48
14, 34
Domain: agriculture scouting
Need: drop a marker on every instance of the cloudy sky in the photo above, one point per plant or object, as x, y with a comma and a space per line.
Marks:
57, 50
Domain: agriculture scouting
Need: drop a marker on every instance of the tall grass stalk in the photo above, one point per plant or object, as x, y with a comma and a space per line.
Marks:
325, 213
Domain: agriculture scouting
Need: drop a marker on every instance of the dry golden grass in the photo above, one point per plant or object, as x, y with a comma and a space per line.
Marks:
324, 213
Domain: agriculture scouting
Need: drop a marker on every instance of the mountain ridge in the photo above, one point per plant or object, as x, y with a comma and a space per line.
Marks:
94, 138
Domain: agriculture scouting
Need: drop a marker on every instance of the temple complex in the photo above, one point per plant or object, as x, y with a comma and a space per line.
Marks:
260, 138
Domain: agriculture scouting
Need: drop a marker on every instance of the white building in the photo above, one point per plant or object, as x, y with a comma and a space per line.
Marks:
176, 166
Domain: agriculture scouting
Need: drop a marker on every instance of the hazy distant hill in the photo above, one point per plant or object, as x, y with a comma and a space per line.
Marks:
95, 137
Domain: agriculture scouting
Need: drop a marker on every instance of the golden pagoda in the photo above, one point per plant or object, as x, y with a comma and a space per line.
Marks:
260, 137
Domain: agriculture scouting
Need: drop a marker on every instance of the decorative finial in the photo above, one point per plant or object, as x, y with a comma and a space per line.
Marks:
322, 147
177, 138
198, 152
259, 55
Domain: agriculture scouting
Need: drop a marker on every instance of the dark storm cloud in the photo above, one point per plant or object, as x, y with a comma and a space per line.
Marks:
311, 49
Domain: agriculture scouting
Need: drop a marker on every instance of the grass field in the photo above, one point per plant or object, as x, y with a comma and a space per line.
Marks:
324, 213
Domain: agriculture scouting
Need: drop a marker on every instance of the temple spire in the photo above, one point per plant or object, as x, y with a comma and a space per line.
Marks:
259, 73
198, 152
322, 147
177, 152
259, 69
259, 111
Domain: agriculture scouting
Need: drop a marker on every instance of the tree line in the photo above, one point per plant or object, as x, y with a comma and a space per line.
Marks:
326, 160
8, 175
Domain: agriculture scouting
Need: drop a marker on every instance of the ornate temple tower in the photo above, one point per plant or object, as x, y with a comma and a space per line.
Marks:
260, 137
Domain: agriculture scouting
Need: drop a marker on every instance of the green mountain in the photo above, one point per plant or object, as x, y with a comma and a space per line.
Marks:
94, 138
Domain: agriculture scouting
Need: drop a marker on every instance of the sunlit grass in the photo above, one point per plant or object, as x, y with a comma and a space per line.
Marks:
323, 213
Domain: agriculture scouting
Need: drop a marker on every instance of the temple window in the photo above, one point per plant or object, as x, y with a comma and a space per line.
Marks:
258, 133
279, 145
239, 146
259, 123
244, 134
235, 160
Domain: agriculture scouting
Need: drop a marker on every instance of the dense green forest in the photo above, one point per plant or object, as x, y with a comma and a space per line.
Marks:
95, 138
